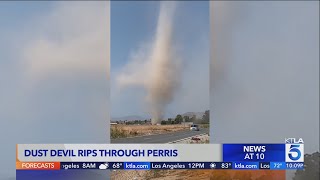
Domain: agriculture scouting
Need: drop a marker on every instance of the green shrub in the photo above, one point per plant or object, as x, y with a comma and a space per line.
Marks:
117, 132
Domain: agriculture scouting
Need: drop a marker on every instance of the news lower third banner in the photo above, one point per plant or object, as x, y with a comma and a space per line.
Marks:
159, 156
118, 152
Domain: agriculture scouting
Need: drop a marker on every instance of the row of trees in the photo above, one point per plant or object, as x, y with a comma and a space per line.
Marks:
134, 122
179, 119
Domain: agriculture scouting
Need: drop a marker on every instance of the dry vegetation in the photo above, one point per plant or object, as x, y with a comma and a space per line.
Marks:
121, 131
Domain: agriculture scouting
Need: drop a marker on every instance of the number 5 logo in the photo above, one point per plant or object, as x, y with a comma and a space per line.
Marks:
294, 153
294, 149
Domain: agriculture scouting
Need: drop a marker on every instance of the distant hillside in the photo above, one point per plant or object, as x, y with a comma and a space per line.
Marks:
190, 114
128, 118
136, 117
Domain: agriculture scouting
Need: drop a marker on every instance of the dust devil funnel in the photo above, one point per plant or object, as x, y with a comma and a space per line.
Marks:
156, 69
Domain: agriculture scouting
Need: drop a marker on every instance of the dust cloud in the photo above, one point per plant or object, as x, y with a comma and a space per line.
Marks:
156, 67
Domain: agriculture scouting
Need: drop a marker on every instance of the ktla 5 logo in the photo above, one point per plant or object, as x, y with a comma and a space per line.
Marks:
294, 153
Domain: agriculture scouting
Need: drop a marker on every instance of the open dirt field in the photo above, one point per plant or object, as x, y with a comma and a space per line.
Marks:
120, 131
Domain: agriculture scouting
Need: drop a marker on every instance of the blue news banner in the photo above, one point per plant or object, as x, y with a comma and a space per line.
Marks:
144, 165
235, 156
260, 156
179, 165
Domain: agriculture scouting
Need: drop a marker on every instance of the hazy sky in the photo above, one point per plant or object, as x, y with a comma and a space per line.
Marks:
133, 24
53, 75
265, 72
